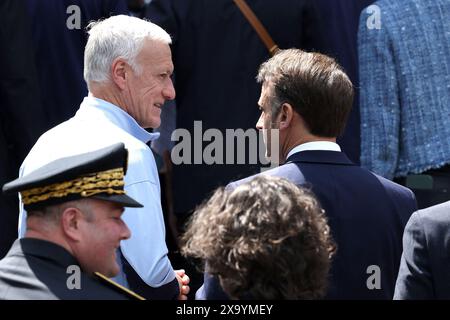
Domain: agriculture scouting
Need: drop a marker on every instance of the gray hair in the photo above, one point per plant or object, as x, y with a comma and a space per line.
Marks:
117, 37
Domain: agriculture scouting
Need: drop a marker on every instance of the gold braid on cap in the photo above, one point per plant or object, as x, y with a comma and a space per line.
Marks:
86, 186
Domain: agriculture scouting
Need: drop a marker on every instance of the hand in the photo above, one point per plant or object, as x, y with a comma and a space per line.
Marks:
183, 282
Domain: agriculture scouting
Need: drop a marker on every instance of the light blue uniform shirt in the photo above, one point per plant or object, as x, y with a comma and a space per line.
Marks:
95, 125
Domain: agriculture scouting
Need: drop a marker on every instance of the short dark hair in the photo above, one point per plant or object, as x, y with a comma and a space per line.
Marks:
314, 85
267, 239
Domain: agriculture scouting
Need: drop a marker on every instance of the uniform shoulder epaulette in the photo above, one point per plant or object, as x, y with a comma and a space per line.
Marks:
117, 287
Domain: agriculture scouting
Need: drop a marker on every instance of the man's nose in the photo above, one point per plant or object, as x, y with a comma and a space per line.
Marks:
126, 233
169, 91
260, 123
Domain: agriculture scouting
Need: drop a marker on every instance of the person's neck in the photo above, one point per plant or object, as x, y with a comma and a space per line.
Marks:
107, 94
45, 233
294, 141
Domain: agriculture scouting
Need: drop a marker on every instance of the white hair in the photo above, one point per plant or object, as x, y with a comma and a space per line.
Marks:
118, 36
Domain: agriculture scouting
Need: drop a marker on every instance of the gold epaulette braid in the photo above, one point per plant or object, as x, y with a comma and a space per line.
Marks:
89, 185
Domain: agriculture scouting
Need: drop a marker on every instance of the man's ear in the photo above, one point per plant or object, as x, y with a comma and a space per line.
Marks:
286, 116
71, 219
119, 72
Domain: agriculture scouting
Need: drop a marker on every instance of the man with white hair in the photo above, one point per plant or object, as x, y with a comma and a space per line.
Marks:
127, 68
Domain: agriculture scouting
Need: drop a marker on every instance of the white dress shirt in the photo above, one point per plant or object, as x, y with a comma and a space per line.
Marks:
315, 145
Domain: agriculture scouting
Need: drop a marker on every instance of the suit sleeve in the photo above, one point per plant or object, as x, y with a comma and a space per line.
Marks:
414, 278
379, 98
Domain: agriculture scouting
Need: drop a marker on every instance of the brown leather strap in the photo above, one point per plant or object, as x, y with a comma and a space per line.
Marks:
257, 25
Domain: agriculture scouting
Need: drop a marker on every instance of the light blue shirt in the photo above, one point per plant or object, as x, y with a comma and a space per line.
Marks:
98, 124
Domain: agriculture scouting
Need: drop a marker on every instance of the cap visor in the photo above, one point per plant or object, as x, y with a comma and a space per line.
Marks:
121, 199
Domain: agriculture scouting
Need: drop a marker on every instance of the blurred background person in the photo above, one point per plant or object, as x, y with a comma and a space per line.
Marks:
405, 96
58, 40
22, 116
423, 273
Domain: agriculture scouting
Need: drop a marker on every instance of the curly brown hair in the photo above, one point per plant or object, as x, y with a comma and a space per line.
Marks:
267, 239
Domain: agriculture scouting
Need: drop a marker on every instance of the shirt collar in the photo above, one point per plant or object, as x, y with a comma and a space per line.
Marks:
119, 117
315, 145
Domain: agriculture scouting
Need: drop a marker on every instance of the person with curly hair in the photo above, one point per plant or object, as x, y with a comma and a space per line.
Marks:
267, 239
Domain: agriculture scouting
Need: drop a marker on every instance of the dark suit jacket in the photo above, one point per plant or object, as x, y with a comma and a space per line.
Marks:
22, 118
216, 55
366, 214
37, 270
424, 268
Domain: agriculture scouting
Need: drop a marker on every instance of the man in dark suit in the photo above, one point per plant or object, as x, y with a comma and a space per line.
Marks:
74, 226
426, 255
305, 100
21, 114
